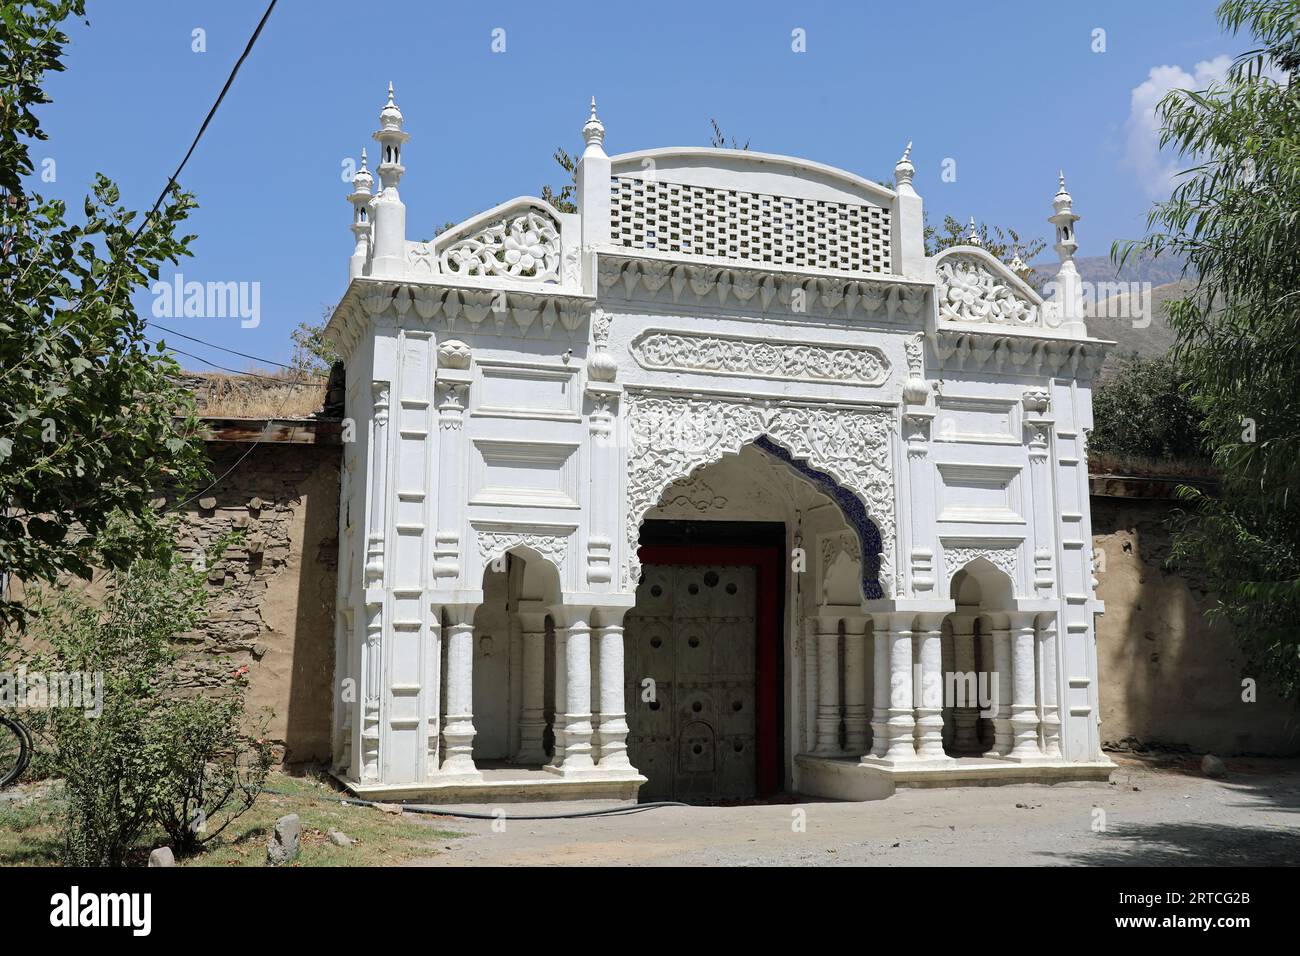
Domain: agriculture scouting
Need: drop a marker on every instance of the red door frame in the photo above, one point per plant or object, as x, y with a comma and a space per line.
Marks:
767, 668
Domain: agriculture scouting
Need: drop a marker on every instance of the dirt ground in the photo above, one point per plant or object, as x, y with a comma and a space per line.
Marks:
1154, 812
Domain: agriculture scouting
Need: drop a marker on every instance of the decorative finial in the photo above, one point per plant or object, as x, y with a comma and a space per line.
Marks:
973, 239
362, 180
904, 170
593, 132
390, 117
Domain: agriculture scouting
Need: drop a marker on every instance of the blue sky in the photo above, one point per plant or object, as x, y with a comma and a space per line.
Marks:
1011, 91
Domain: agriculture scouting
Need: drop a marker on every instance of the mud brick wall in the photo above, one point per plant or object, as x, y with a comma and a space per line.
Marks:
1170, 680
271, 594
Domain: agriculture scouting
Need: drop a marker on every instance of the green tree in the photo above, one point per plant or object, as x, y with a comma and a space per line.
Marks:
312, 355
86, 403
1141, 409
1232, 217
1005, 244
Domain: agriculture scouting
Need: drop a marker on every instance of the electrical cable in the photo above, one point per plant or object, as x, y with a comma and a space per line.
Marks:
255, 358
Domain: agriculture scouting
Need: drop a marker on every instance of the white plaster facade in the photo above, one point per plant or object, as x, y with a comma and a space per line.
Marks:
726, 336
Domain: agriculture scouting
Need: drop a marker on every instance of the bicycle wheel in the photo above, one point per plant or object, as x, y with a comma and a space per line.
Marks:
15, 750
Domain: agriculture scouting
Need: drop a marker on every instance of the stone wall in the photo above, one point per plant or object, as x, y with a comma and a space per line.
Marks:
271, 605
1170, 679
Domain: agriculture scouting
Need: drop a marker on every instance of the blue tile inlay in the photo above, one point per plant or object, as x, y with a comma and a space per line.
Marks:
852, 507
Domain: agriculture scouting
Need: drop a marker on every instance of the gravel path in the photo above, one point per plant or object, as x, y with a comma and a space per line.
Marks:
1151, 813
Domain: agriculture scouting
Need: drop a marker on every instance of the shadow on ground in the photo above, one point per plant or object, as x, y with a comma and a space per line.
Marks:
1212, 842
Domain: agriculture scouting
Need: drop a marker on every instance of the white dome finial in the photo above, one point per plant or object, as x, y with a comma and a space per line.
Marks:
903, 169
593, 131
973, 239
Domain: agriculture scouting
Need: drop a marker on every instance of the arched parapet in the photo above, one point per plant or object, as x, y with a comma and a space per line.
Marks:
986, 574
545, 550
845, 452
523, 240
975, 288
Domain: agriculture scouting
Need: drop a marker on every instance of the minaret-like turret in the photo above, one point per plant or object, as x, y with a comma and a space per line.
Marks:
360, 199
908, 227
593, 183
1068, 284
973, 235
389, 236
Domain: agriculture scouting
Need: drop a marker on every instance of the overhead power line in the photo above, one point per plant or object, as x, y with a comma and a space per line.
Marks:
255, 358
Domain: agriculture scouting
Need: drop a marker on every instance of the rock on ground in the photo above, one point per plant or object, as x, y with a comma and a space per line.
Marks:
286, 841
162, 856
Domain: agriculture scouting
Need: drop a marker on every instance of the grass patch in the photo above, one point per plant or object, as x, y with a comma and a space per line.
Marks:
29, 835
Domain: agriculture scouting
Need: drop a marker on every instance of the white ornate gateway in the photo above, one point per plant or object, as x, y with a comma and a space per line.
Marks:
834, 489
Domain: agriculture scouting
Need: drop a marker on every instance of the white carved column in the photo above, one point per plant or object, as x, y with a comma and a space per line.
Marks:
1024, 705
929, 709
1001, 679
855, 685
458, 729
879, 684
613, 715
560, 693
902, 720
988, 681
532, 719
828, 686
965, 737
573, 644
452, 390
1048, 657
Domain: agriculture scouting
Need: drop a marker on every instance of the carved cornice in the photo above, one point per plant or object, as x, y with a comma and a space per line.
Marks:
973, 351
456, 308
880, 298
660, 349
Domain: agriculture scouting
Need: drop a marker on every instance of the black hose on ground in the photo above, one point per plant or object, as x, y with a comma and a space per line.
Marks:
470, 815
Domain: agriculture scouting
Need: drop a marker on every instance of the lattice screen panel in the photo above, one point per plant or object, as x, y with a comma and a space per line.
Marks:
757, 228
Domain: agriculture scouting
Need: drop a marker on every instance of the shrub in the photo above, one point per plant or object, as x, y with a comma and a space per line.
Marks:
152, 756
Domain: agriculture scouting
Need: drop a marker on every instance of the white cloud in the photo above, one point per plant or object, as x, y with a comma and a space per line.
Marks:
1156, 170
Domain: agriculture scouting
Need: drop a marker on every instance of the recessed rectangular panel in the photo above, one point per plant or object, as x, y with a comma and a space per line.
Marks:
542, 474
510, 391
964, 418
985, 493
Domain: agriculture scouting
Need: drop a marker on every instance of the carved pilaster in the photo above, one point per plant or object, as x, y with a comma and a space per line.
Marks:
379, 485
1038, 428
452, 393
603, 397
372, 671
